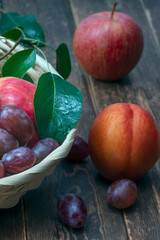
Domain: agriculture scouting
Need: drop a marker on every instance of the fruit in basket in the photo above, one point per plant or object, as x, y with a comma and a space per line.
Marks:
79, 149
17, 122
44, 147
2, 170
122, 193
18, 160
124, 141
108, 45
7, 142
19, 92
72, 210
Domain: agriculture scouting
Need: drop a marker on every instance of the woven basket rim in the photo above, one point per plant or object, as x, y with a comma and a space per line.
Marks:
46, 162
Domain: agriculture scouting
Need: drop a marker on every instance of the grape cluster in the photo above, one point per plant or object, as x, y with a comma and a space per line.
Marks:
16, 129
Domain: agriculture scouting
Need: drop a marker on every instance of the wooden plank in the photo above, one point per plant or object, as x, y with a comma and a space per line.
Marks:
139, 87
12, 223
151, 11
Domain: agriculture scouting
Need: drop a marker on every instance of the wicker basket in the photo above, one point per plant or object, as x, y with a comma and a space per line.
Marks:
12, 188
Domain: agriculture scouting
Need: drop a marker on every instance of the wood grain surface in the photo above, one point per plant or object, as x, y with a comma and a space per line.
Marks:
35, 216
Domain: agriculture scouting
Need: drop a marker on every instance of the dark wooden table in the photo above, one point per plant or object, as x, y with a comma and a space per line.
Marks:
35, 217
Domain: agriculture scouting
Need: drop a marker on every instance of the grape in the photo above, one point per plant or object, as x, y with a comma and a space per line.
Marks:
2, 170
44, 147
72, 210
17, 122
19, 159
122, 193
79, 149
7, 142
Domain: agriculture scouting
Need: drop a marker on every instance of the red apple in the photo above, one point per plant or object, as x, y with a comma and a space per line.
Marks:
20, 93
124, 142
108, 45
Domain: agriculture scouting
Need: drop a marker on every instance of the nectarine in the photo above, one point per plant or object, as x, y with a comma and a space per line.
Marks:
124, 141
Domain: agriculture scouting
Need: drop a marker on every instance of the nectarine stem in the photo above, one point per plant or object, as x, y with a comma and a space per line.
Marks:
113, 9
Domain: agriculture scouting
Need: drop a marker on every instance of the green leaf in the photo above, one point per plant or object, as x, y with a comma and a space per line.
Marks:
18, 64
44, 105
57, 106
28, 78
32, 28
13, 34
63, 62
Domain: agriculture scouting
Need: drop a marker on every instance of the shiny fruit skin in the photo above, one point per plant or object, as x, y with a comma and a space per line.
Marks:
18, 160
124, 141
79, 149
16, 121
108, 48
19, 92
122, 193
72, 210
7, 142
44, 147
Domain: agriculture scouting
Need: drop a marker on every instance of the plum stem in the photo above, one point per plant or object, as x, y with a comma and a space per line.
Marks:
113, 9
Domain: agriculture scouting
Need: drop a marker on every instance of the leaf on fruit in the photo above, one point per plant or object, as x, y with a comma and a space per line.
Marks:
63, 63
32, 28
57, 106
18, 64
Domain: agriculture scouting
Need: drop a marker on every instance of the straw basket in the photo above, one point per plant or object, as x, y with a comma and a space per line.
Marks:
12, 188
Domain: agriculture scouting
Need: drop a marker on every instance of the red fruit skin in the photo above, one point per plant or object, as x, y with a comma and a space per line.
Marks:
2, 170
72, 210
17, 122
108, 48
20, 93
7, 142
19, 160
79, 150
44, 147
122, 193
124, 142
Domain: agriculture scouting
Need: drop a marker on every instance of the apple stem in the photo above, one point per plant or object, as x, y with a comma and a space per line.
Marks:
113, 9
